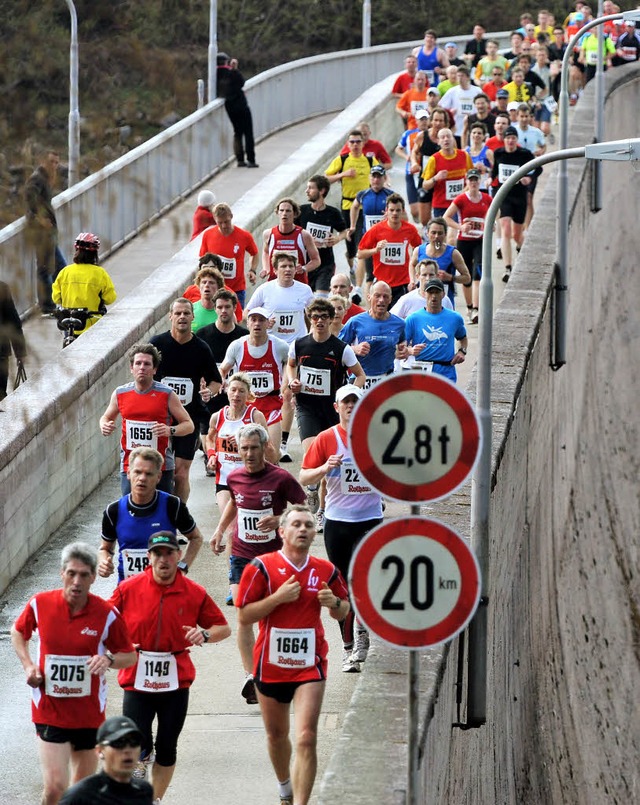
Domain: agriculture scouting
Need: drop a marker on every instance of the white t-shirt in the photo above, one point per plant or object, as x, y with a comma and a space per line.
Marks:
412, 301
460, 102
286, 306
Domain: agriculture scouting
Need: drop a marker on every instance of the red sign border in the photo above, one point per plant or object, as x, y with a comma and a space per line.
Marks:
435, 530
440, 387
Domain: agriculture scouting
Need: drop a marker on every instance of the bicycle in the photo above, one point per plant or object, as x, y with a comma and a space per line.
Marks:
70, 319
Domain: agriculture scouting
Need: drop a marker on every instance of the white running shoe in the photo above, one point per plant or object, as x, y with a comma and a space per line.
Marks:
285, 458
361, 648
349, 665
313, 499
320, 521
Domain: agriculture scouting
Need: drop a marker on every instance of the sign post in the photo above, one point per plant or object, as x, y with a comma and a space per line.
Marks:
414, 582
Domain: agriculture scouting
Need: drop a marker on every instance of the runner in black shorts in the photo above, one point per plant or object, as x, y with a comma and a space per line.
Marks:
188, 367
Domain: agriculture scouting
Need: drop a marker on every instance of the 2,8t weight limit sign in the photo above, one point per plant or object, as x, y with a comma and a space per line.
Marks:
415, 437
414, 582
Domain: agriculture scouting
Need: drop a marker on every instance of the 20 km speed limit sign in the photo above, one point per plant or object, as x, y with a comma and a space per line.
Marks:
414, 582
414, 437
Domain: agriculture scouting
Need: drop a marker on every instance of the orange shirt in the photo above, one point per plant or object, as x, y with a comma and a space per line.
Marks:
412, 101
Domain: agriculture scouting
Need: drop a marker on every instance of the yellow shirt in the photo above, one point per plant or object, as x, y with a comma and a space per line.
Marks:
351, 186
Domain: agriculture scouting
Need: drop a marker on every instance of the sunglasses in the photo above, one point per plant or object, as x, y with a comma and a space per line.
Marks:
353, 142
127, 741
319, 317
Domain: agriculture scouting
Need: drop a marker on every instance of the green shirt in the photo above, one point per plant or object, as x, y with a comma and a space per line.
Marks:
202, 316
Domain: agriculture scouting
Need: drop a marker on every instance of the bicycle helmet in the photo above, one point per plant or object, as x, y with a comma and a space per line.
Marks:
88, 241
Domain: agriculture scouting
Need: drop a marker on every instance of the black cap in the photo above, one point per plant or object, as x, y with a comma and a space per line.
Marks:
435, 284
473, 173
502, 93
163, 539
377, 170
510, 131
117, 727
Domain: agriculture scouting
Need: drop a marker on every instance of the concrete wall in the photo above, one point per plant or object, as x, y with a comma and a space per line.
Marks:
564, 615
51, 452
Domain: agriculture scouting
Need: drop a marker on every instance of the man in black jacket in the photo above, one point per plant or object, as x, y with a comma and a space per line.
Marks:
229, 86
11, 336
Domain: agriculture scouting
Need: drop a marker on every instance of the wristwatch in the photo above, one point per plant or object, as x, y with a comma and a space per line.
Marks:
184, 567
463, 350
206, 635
172, 430
337, 603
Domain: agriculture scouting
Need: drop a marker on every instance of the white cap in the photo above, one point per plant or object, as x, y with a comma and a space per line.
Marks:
206, 198
259, 311
513, 106
348, 391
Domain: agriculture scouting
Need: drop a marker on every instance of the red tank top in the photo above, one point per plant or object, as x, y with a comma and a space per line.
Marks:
265, 374
139, 410
446, 190
291, 242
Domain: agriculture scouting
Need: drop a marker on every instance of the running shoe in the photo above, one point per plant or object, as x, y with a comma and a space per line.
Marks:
320, 521
474, 316
229, 599
248, 691
285, 458
499, 254
286, 800
361, 648
507, 274
470, 315
313, 500
349, 665
142, 769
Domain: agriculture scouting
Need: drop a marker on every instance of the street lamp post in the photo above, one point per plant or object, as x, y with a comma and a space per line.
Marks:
74, 113
481, 485
213, 50
366, 23
561, 289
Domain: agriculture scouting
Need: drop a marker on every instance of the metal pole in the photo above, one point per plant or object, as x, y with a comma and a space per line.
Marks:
481, 485
366, 24
74, 113
213, 50
596, 200
560, 293
413, 748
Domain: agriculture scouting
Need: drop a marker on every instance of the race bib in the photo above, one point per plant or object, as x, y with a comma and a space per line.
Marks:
394, 254
423, 366
477, 227
248, 530
228, 267
318, 231
418, 106
550, 103
183, 387
372, 220
592, 57
140, 434
134, 561
287, 322
157, 672
369, 382
66, 676
430, 76
292, 648
629, 53
453, 188
504, 171
315, 381
261, 383
466, 106
351, 482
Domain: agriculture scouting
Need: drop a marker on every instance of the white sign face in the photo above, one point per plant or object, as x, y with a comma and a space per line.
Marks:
414, 582
415, 437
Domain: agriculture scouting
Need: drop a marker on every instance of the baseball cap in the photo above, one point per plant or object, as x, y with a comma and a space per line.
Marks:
163, 539
259, 311
436, 284
513, 106
451, 45
502, 93
421, 113
348, 391
473, 173
117, 727
432, 91
510, 131
378, 170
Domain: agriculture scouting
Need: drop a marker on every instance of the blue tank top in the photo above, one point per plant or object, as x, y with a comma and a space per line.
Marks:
134, 532
445, 263
429, 64
481, 157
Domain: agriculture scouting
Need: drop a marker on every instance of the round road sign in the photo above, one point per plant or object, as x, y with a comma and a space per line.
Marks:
414, 437
414, 582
